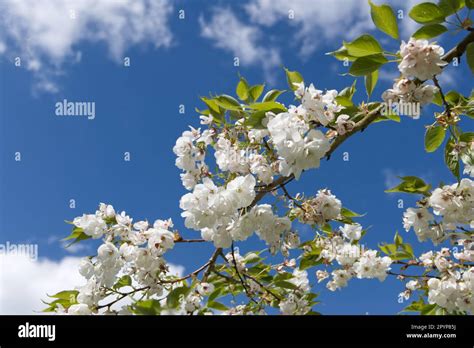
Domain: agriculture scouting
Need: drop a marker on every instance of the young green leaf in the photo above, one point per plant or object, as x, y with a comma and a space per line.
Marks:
255, 119
384, 19
411, 184
242, 89
427, 13
293, 77
364, 45
77, 235
430, 31
173, 297
450, 7
434, 137
268, 106
126, 280
371, 82
398, 240
342, 54
451, 157
217, 305
366, 65
256, 91
227, 102
272, 95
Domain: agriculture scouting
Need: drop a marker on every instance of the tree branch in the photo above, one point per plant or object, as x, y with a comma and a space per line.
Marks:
283, 180
458, 50
211, 263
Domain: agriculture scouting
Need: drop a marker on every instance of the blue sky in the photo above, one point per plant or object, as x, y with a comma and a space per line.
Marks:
173, 62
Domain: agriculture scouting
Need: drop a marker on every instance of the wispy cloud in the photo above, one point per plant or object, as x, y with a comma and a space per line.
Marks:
45, 34
243, 40
315, 22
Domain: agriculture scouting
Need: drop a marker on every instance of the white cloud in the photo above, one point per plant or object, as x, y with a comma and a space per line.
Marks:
25, 282
315, 21
45, 34
242, 40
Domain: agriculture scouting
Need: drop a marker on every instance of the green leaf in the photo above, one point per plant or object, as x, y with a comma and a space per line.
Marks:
450, 158
407, 248
68, 295
126, 280
217, 305
371, 82
255, 120
470, 56
283, 276
437, 100
466, 137
342, 54
415, 306
430, 31
227, 102
215, 294
398, 240
349, 213
453, 97
77, 235
309, 261
429, 309
348, 92
434, 137
286, 285
172, 299
268, 106
344, 101
256, 91
344, 97
400, 255
450, 7
384, 19
293, 77
411, 184
147, 307
470, 4
242, 89
364, 45
427, 13
212, 105
366, 65
388, 249
272, 95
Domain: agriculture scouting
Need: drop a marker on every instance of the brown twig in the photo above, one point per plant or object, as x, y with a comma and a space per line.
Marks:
211, 264
458, 50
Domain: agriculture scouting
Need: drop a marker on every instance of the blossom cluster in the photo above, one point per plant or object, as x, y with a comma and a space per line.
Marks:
421, 61
318, 210
354, 259
218, 212
454, 204
296, 303
288, 144
128, 249
407, 91
453, 287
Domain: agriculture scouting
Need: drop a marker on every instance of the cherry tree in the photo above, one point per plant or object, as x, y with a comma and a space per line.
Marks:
259, 146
